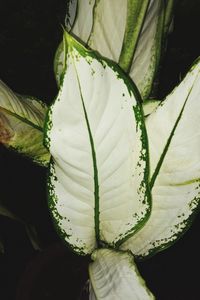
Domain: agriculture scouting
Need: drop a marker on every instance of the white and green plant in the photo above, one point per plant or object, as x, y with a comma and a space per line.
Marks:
124, 171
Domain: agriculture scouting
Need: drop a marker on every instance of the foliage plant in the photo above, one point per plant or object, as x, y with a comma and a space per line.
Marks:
123, 169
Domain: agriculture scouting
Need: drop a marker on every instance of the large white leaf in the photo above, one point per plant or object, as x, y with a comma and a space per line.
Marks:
114, 275
21, 124
147, 54
97, 138
174, 145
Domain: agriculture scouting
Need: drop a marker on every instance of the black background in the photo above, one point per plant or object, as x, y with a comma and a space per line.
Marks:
30, 32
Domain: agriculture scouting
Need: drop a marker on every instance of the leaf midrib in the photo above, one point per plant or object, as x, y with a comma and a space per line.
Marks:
162, 157
96, 180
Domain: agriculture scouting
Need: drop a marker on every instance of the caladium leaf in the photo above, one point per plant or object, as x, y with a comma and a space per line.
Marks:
21, 124
96, 135
114, 275
173, 131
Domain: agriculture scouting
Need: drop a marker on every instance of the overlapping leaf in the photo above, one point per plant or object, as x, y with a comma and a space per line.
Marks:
84, 19
95, 133
71, 13
114, 275
21, 124
147, 55
174, 144
127, 31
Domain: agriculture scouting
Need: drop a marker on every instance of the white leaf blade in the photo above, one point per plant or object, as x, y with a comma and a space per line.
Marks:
147, 54
98, 115
174, 144
84, 20
109, 23
82, 26
114, 275
21, 124
126, 32
91, 292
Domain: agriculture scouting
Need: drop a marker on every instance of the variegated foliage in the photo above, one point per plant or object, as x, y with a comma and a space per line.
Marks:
21, 124
127, 31
98, 175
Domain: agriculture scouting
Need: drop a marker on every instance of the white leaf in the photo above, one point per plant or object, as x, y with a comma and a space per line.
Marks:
147, 54
84, 20
174, 145
114, 275
95, 133
91, 292
126, 31
21, 124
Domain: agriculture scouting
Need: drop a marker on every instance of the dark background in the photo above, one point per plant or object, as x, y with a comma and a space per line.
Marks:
30, 32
